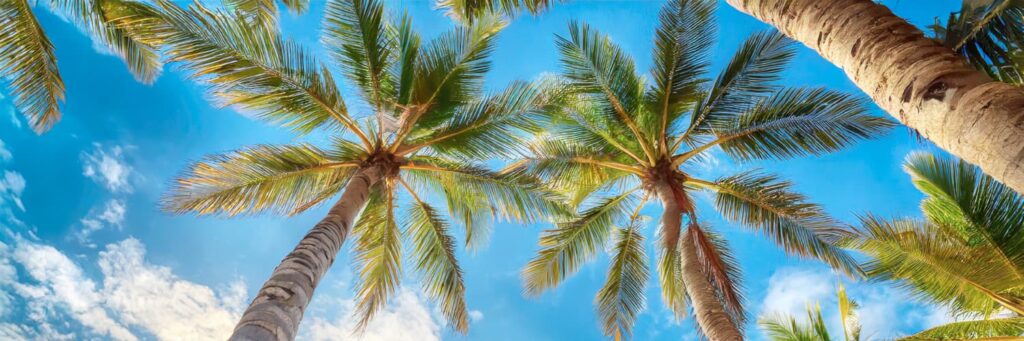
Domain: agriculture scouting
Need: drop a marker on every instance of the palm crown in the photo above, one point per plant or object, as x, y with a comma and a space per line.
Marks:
620, 140
429, 121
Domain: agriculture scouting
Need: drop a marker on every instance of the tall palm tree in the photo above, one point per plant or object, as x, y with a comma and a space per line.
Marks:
28, 62
429, 126
618, 142
917, 80
966, 254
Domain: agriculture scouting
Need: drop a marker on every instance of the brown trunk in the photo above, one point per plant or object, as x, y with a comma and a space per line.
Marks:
917, 80
277, 309
710, 312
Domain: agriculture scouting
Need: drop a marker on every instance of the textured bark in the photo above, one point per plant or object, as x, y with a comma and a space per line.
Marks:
277, 309
710, 312
917, 80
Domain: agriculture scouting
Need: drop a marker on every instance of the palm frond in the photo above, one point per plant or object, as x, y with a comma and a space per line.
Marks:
622, 298
989, 34
572, 168
998, 328
355, 33
27, 61
434, 252
285, 179
681, 47
848, 315
787, 328
143, 60
378, 250
403, 70
259, 12
767, 204
571, 244
249, 66
722, 270
469, 11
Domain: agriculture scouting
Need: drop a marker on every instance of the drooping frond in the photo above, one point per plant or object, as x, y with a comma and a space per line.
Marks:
355, 33
797, 122
787, 328
284, 179
722, 270
670, 278
571, 244
142, 60
750, 75
622, 298
989, 34
378, 251
469, 11
681, 47
767, 204
434, 252
249, 66
29, 65
993, 329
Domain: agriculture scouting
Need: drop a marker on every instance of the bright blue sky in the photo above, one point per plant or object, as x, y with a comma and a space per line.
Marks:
85, 252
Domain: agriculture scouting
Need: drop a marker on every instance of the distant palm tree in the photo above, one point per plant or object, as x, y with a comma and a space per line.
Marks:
966, 254
619, 141
787, 328
430, 125
28, 61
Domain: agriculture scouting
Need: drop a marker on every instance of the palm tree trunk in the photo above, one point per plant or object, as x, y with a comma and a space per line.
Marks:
277, 309
714, 321
917, 80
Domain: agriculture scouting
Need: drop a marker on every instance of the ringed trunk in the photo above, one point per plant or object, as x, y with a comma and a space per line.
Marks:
917, 80
714, 321
277, 309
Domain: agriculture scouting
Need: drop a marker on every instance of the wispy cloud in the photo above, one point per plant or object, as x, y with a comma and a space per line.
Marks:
112, 215
107, 167
407, 309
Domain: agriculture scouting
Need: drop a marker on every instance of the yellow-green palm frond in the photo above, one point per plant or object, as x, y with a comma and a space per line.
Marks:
143, 60
572, 168
787, 328
28, 63
285, 179
265, 12
767, 204
434, 252
989, 35
682, 44
848, 315
356, 34
378, 250
670, 278
989, 329
249, 66
622, 298
469, 11
403, 69
722, 269
572, 243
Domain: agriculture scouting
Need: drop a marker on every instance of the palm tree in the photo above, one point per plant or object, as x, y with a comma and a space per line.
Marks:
469, 10
430, 121
617, 143
917, 80
28, 62
966, 254
787, 328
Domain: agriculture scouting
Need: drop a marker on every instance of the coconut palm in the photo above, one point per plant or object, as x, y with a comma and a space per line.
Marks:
990, 35
428, 128
470, 10
617, 143
28, 61
787, 328
917, 80
966, 254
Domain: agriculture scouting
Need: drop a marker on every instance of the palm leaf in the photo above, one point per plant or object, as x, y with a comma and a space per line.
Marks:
1000, 328
989, 34
670, 277
621, 298
571, 168
355, 33
142, 59
378, 250
723, 271
848, 315
28, 63
470, 10
786, 328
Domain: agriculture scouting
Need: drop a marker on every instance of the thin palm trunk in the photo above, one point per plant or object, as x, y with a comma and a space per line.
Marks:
916, 79
714, 321
277, 309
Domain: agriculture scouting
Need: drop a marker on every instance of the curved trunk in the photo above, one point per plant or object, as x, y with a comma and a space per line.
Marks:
710, 312
917, 80
277, 309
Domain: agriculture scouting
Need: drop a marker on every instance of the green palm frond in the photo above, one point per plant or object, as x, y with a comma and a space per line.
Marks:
622, 298
797, 122
470, 10
265, 12
434, 253
572, 168
848, 315
285, 179
355, 32
783, 328
670, 278
988, 329
571, 244
249, 66
749, 75
767, 204
682, 44
143, 60
722, 269
403, 69
990, 34
28, 63
378, 250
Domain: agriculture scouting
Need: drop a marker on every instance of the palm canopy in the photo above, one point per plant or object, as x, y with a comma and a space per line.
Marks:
430, 126
618, 138
968, 251
990, 34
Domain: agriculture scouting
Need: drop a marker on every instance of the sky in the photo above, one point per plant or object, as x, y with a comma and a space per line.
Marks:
86, 253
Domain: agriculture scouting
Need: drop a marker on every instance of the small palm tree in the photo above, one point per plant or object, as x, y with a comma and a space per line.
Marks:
619, 142
787, 328
429, 127
966, 254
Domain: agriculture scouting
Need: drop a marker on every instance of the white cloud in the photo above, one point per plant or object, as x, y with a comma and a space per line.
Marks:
790, 290
13, 115
108, 168
406, 310
476, 315
112, 215
5, 155
11, 186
